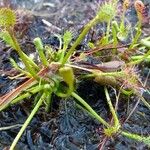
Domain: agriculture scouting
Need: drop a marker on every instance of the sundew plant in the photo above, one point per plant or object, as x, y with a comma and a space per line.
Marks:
56, 71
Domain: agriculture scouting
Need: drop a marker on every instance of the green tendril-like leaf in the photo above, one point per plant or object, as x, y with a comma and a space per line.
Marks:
67, 37
7, 38
7, 17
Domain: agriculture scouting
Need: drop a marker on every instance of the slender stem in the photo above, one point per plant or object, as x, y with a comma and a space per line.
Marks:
24, 59
137, 137
80, 38
145, 42
117, 74
39, 46
30, 65
107, 32
20, 52
142, 58
48, 100
93, 113
143, 100
137, 35
100, 74
29, 93
27, 121
15, 65
115, 40
116, 121
122, 24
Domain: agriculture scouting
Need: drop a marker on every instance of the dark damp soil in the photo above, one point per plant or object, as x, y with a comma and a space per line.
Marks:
66, 127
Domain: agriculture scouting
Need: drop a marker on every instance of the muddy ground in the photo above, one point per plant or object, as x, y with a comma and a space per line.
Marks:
66, 127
